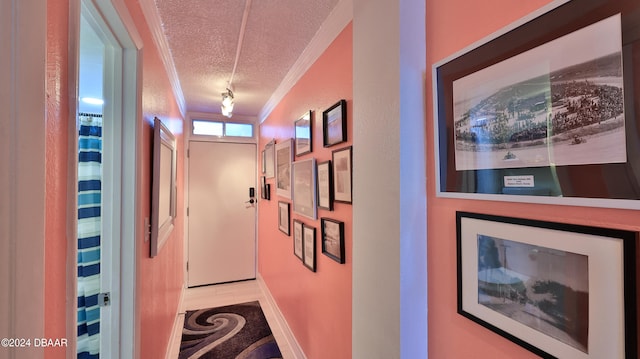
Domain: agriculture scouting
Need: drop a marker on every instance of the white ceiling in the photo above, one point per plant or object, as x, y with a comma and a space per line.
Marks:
202, 37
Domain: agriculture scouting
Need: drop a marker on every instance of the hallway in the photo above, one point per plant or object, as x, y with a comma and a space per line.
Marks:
234, 293
41, 252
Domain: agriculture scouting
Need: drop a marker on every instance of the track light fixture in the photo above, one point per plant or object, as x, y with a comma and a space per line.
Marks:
227, 103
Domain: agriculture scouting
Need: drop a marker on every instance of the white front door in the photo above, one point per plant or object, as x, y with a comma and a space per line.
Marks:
222, 222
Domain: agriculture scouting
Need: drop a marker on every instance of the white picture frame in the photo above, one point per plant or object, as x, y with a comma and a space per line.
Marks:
283, 159
304, 193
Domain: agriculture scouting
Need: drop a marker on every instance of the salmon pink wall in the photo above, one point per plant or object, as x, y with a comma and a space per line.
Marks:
451, 26
57, 129
317, 306
159, 279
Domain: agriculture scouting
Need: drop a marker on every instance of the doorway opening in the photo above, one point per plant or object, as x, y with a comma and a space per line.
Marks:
107, 129
94, 208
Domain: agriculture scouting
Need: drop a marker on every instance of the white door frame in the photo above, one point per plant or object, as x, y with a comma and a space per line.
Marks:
188, 136
124, 91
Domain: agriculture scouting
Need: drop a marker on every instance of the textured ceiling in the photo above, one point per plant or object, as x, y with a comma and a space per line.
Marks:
203, 36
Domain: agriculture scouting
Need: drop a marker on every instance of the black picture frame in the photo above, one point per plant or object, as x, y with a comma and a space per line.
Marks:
579, 173
284, 215
342, 173
265, 188
332, 234
303, 128
334, 124
558, 290
309, 247
325, 185
298, 246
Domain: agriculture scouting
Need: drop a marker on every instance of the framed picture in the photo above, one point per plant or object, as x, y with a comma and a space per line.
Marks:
325, 186
284, 156
309, 247
163, 191
332, 233
334, 124
543, 111
264, 189
283, 217
304, 187
297, 239
558, 290
342, 174
304, 135
269, 159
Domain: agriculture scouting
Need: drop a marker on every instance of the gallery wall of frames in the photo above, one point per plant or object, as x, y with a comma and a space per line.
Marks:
544, 112
308, 175
305, 208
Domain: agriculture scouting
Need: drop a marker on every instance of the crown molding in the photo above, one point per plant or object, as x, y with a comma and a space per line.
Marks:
337, 20
154, 22
122, 11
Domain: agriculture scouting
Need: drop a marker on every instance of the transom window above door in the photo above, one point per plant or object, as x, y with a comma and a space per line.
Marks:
221, 128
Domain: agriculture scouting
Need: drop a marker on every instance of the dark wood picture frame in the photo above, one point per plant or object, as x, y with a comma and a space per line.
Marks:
613, 182
334, 124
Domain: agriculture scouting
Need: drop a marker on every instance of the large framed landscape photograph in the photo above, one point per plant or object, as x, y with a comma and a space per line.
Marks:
558, 290
544, 110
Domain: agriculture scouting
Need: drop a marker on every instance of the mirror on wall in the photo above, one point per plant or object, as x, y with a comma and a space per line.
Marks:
163, 195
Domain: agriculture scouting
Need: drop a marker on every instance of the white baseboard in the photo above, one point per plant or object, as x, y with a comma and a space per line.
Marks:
281, 322
173, 349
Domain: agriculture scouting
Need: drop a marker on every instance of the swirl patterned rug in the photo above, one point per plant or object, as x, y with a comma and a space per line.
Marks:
235, 331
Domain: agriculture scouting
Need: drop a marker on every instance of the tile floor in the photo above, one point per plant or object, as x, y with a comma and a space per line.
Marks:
227, 294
